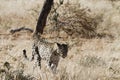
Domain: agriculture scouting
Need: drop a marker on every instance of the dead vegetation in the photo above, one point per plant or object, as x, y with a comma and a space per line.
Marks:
91, 29
75, 21
7, 73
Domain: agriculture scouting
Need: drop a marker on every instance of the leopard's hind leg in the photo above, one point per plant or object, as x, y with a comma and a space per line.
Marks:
35, 53
38, 57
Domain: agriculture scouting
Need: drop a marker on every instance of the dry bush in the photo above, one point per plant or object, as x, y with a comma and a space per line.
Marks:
74, 21
9, 74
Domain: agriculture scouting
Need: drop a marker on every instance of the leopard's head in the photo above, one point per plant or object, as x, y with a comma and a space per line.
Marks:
62, 49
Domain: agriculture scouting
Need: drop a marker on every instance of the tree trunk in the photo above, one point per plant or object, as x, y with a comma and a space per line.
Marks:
43, 17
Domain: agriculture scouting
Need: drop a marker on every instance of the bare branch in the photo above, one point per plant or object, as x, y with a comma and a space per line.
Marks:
20, 29
43, 16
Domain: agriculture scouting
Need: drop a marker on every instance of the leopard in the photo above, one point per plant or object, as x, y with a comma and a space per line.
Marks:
50, 52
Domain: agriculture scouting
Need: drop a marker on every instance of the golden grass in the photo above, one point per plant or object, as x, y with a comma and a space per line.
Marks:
88, 59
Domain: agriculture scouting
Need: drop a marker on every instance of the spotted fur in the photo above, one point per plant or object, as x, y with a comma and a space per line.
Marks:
50, 52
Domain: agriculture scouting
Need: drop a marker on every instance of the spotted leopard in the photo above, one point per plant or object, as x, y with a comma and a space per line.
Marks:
50, 52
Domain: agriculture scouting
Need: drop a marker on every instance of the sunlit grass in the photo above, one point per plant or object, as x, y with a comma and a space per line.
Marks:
88, 59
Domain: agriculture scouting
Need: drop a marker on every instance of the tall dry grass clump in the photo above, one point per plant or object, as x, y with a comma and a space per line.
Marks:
94, 58
7, 73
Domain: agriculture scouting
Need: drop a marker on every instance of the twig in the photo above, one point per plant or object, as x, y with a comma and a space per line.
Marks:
20, 29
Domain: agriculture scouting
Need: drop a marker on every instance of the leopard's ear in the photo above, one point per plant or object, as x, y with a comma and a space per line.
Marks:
56, 46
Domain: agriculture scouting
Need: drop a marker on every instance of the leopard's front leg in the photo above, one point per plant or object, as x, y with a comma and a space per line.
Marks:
52, 66
35, 52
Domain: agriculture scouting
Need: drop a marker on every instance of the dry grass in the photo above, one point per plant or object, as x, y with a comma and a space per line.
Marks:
88, 59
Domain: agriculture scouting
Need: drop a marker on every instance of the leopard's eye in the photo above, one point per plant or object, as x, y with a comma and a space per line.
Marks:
55, 54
